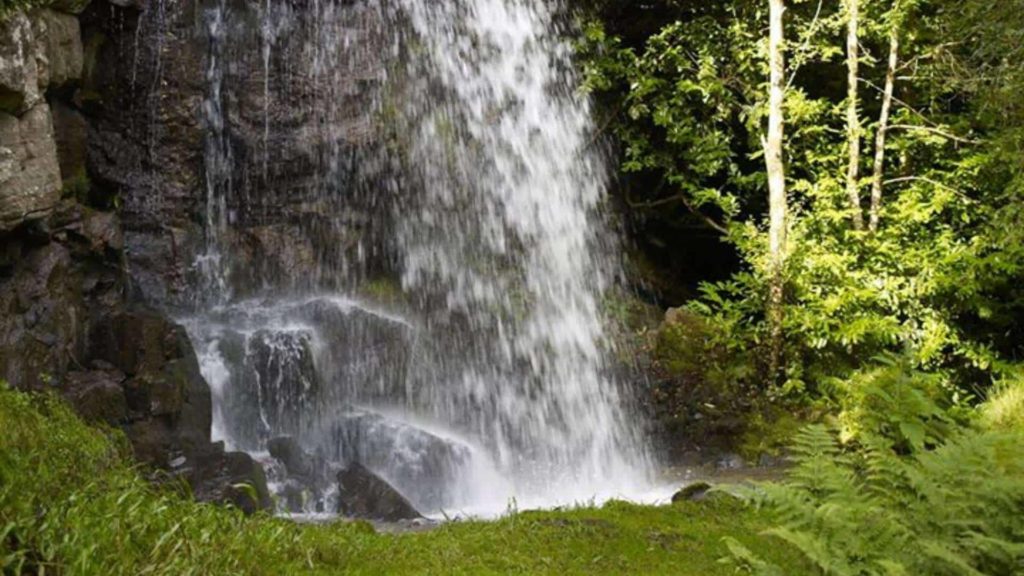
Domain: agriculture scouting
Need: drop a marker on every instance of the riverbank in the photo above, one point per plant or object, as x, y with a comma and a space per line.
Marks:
72, 502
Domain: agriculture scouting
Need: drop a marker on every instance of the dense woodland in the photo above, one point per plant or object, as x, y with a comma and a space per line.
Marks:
828, 198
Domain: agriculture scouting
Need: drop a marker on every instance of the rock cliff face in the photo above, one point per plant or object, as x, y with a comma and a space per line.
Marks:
120, 123
234, 120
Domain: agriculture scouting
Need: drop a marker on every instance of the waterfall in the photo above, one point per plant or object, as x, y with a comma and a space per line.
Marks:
446, 145
507, 225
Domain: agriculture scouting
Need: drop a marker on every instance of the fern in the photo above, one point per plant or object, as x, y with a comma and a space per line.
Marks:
911, 492
951, 510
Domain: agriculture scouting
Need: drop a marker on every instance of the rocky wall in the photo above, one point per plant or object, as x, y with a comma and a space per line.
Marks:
71, 320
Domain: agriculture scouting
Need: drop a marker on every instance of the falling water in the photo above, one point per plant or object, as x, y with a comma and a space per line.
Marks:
488, 383
508, 227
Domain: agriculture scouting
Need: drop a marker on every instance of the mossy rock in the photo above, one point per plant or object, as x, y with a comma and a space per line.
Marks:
692, 492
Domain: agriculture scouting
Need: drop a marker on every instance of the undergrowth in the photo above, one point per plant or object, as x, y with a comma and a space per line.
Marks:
914, 490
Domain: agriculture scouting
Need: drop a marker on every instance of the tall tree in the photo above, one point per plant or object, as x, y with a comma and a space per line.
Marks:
776, 168
853, 130
883, 119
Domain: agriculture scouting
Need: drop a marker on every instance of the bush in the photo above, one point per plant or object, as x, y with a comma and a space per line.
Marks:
704, 387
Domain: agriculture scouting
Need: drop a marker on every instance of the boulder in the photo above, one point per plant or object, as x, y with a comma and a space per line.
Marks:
692, 492
227, 478
97, 395
292, 497
296, 461
273, 388
363, 494
424, 466
30, 180
163, 376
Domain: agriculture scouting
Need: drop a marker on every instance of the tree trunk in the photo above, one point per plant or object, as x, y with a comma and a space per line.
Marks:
776, 186
852, 113
883, 128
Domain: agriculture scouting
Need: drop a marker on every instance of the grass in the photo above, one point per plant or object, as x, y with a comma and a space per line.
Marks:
1005, 409
71, 503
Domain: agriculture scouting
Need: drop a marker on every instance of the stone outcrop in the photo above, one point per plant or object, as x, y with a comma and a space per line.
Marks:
56, 278
183, 104
363, 494
58, 49
39, 53
69, 321
19, 76
226, 478
168, 401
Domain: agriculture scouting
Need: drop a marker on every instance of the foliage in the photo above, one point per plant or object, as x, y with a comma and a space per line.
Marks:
939, 280
915, 491
71, 503
951, 510
904, 409
702, 388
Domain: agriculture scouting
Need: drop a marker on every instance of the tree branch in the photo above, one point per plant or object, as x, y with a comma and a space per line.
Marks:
678, 197
935, 131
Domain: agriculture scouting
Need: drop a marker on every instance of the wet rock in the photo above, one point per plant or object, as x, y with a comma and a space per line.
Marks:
29, 171
363, 494
163, 377
292, 126
423, 466
367, 355
274, 386
692, 492
142, 99
296, 461
97, 395
292, 497
229, 478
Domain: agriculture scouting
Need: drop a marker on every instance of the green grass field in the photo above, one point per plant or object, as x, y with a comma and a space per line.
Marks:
70, 503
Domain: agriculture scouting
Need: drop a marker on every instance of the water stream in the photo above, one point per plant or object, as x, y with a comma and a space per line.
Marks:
485, 383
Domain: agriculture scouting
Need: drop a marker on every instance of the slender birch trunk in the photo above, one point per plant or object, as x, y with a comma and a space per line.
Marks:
883, 128
852, 113
776, 185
